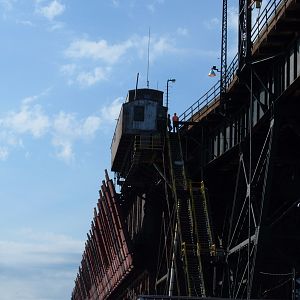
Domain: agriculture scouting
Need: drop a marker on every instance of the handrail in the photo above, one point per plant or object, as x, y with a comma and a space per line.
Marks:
262, 21
201, 103
205, 101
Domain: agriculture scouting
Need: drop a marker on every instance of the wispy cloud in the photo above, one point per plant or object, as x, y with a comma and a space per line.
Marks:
212, 23
99, 50
84, 54
28, 120
48, 258
111, 112
64, 129
112, 53
39, 248
182, 31
7, 4
25, 23
152, 6
86, 79
3, 153
67, 129
50, 11
116, 3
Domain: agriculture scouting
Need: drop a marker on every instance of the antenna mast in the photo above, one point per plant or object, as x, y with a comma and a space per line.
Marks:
148, 59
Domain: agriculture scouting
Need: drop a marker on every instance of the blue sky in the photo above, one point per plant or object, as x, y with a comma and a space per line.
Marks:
66, 67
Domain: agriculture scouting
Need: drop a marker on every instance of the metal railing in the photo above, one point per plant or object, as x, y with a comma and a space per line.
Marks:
211, 96
264, 19
147, 142
231, 71
202, 103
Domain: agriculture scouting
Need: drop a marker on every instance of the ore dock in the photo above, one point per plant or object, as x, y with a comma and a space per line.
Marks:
211, 211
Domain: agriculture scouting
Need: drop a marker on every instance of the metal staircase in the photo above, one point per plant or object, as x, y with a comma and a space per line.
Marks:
190, 254
203, 229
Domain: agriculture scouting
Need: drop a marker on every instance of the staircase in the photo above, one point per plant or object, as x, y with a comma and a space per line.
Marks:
201, 218
190, 254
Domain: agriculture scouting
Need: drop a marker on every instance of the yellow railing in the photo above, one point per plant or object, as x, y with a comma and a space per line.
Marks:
147, 142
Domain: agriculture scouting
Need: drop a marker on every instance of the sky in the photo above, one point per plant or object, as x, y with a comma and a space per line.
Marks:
65, 69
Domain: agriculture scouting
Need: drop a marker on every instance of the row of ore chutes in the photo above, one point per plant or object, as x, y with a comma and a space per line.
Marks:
107, 258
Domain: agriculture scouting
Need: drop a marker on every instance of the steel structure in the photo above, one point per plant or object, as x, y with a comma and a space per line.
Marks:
223, 50
214, 210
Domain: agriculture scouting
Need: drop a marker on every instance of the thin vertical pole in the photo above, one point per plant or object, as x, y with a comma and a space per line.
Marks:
294, 284
172, 271
249, 185
148, 59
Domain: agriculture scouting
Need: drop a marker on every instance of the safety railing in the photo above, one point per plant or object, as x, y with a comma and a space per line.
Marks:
147, 142
210, 97
264, 19
231, 71
202, 103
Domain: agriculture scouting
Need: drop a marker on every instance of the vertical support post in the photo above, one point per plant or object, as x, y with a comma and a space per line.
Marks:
294, 284
172, 272
223, 50
244, 41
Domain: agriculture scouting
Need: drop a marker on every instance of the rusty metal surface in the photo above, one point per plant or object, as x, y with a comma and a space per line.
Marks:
107, 258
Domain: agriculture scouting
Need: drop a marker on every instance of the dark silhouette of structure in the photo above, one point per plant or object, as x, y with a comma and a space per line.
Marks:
214, 211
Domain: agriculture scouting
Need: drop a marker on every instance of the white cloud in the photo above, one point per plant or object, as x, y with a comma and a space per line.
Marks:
65, 149
64, 129
67, 125
36, 262
152, 6
37, 284
7, 4
56, 26
182, 31
29, 119
25, 23
67, 130
162, 46
52, 10
85, 52
111, 54
98, 50
68, 69
30, 99
212, 23
115, 3
3, 153
90, 78
39, 249
90, 125
111, 112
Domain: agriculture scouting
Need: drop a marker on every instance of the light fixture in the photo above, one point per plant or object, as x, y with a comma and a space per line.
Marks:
212, 72
258, 3
169, 80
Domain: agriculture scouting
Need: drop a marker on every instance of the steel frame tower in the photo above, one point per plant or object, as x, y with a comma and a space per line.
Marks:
223, 49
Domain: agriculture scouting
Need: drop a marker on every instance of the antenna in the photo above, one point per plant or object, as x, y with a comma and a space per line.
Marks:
148, 59
136, 85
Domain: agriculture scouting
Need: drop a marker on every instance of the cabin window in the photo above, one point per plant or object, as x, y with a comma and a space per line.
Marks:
139, 113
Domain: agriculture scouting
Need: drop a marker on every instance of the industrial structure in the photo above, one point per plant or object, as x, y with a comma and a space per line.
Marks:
213, 210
